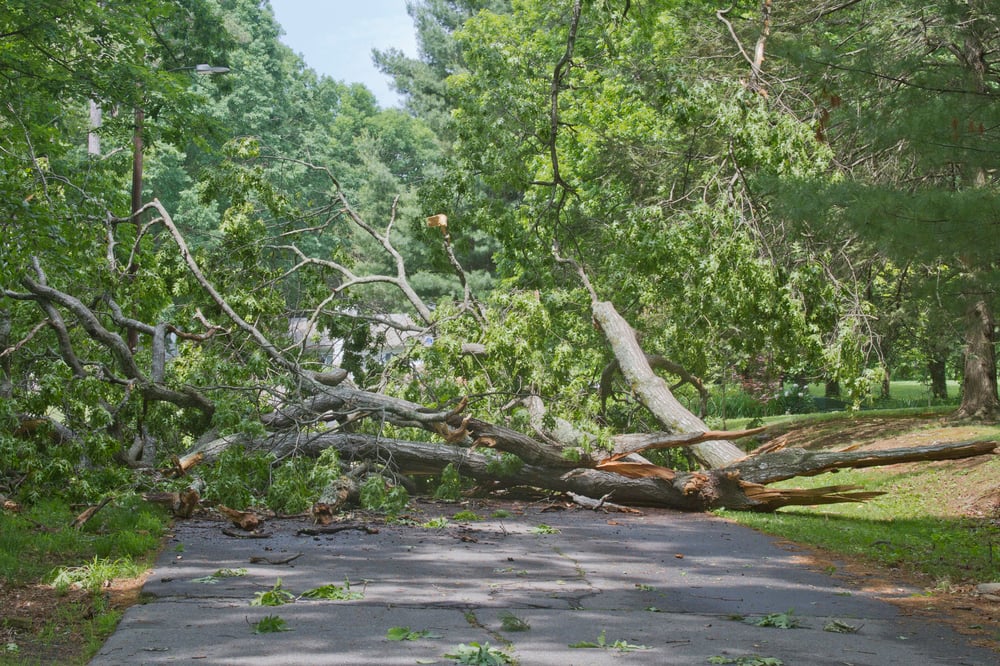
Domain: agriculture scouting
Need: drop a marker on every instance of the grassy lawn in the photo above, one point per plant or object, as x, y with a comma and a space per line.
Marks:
918, 526
938, 524
62, 589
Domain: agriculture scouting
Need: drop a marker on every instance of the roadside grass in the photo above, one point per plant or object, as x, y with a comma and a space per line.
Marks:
923, 525
57, 583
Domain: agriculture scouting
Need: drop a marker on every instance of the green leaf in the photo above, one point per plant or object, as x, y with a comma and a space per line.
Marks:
779, 621
273, 597
270, 624
840, 627
406, 634
333, 593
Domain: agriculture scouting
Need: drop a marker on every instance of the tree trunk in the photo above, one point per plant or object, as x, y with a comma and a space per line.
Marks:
939, 380
653, 391
979, 383
739, 486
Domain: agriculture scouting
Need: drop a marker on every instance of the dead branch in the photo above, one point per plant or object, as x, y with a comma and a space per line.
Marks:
89, 513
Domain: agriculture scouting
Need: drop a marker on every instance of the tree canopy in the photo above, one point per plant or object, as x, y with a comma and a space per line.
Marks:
576, 201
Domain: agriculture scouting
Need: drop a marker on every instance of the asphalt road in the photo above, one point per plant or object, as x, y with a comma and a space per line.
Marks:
658, 588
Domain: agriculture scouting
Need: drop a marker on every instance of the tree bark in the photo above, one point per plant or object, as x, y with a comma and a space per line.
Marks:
653, 391
979, 383
939, 380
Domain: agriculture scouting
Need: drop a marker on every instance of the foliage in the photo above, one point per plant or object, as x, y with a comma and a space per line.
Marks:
542, 528
407, 634
718, 213
778, 620
124, 531
333, 593
380, 494
276, 596
95, 575
511, 622
435, 523
450, 485
298, 482
746, 660
603, 644
238, 478
479, 655
270, 624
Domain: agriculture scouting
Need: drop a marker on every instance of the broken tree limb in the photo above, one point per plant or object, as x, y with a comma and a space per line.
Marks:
89, 513
789, 463
653, 391
656, 362
630, 443
771, 499
689, 491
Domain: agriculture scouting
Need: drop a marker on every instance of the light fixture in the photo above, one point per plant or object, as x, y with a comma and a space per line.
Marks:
210, 69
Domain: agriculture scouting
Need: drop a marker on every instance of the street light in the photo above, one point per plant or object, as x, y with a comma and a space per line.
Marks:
210, 69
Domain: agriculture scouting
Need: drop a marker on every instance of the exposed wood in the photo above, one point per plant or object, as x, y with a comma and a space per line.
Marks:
770, 499
343, 491
182, 504
182, 465
89, 513
601, 504
637, 443
637, 470
245, 520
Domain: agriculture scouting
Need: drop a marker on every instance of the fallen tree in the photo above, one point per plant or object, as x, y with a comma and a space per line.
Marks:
328, 411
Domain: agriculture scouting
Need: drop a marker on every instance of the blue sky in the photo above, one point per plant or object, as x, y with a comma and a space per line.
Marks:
336, 37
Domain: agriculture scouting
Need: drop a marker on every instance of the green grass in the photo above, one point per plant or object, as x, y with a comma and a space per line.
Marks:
39, 546
911, 528
40, 540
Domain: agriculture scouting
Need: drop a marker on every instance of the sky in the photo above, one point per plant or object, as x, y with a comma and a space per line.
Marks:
336, 37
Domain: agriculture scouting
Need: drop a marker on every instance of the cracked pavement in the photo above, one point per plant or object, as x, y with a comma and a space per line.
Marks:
658, 588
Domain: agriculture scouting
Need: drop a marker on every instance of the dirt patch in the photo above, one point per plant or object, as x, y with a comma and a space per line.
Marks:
958, 606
